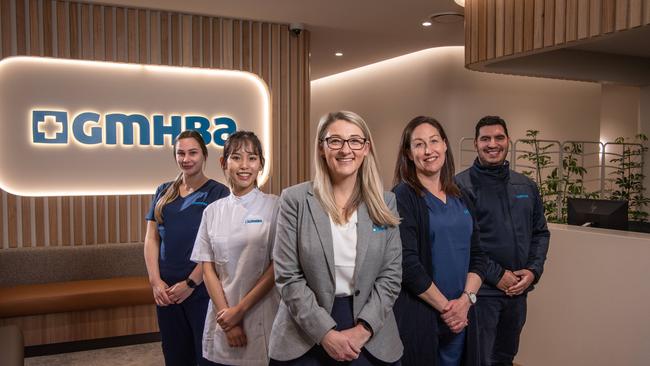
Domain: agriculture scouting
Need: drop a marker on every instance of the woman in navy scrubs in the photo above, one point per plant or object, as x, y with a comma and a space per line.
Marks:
172, 223
442, 263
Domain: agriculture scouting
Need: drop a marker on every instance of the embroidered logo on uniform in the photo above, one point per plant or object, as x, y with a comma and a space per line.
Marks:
200, 203
376, 228
466, 211
521, 196
253, 221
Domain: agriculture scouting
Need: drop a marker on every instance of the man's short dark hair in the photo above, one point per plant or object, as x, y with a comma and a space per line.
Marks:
490, 121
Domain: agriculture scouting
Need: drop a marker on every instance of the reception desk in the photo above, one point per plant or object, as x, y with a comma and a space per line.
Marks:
592, 306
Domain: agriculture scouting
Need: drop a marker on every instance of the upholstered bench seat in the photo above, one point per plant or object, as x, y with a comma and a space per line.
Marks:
67, 296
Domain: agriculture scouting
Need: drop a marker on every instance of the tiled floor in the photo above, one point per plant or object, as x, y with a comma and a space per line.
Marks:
147, 354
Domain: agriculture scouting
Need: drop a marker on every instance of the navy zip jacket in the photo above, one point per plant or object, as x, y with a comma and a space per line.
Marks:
511, 220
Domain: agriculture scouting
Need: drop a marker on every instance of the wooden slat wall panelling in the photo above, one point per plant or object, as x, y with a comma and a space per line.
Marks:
538, 35
491, 29
62, 29
26, 220
7, 32
306, 77
246, 45
571, 20
483, 31
276, 174
549, 22
646, 12
34, 29
216, 42
143, 44
226, 44
12, 220
621, 14
186, 40
256, 48
635, 14
73, 29
112, 219
86, 32
266, 55
165, 40
583, 19
132, 35
78, 220
518, 25
53, 220
98, 33
284, 112
206, 45
48, 31
196, 41
176, 40
120, 35
608, 16
236, 44
595, 18
101, 220
499, 13
123, 219
509, 27
154, 37
21, 44
90, 211
560, 21
294, 95
109, 34
475, 33
145, 202
66, 234
135, 218
467, 27
39, 220
529, 24
3, 226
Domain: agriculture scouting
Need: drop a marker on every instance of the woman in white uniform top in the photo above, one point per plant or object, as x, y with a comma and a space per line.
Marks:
234, 244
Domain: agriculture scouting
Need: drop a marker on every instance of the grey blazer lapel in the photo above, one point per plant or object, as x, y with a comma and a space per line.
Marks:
364, 233
324, 230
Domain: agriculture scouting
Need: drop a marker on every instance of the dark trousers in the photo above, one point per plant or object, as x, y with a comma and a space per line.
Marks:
317, 356
181, 329
501, 320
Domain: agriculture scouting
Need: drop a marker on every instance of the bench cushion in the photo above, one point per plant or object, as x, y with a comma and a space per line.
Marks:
59, 297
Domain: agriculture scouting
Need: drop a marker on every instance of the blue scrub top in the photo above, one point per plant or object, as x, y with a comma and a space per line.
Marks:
450, 232
182, 218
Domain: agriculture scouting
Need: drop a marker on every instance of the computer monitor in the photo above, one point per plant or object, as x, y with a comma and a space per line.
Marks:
606, 214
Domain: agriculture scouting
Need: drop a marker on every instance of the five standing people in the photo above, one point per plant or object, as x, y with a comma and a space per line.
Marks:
348, 269
514, 235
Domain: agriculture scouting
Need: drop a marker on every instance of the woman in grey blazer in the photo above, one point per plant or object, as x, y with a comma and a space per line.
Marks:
338, 256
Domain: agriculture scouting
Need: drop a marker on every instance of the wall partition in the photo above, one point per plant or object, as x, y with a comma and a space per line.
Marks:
74, 30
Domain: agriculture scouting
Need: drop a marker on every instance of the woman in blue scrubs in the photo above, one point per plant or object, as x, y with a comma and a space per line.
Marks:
442, 263
172, 223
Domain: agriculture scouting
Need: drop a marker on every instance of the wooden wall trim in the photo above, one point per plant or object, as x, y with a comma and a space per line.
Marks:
78, 30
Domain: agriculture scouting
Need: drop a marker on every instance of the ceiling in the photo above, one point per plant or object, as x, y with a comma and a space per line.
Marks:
365, 31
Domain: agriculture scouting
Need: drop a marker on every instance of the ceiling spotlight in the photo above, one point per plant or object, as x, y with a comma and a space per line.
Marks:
426, 23
460, 2
338, 54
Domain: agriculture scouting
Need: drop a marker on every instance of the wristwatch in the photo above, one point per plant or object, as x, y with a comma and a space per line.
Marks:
190, 283
471, 296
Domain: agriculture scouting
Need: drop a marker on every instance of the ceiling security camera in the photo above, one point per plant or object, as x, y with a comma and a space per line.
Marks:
296, 28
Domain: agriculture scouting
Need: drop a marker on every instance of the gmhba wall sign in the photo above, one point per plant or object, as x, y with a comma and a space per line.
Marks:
70, 127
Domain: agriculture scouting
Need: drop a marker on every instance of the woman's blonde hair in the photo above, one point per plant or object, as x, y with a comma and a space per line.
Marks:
172, 191
368, 188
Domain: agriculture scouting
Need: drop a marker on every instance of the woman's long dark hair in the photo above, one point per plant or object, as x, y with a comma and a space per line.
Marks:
238, 140
405, 168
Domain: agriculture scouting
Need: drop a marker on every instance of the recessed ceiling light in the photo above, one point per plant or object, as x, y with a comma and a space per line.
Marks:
426, 23
338, 54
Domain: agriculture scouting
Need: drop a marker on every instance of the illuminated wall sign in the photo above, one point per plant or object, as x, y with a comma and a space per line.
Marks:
70, 127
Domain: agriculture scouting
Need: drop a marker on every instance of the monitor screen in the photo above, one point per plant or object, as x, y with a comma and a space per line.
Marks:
606, 214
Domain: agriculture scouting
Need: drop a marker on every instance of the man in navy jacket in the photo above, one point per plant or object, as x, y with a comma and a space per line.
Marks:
514, 236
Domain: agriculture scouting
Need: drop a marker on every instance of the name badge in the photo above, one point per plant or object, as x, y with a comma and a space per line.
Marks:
521, 196
253, 221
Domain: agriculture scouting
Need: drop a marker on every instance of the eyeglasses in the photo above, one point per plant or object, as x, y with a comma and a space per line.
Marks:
336, 143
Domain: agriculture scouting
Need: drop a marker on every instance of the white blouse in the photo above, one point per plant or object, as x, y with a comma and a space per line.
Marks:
237, 234
344, 240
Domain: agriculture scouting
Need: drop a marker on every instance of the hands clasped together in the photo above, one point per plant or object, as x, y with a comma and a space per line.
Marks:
345, 345
165, 295
454, 314
515, 283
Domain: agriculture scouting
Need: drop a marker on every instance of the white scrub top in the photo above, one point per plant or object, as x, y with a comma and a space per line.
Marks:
237, 234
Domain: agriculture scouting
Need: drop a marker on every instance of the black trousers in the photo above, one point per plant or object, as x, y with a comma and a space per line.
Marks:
501, 320
317, 356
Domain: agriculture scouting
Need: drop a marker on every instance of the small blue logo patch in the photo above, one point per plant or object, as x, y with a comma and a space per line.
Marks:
466, 211
200, 203
253, 221
377, 229
521, 196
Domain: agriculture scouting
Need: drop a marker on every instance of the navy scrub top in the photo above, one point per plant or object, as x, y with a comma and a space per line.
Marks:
182, 218
450, 231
